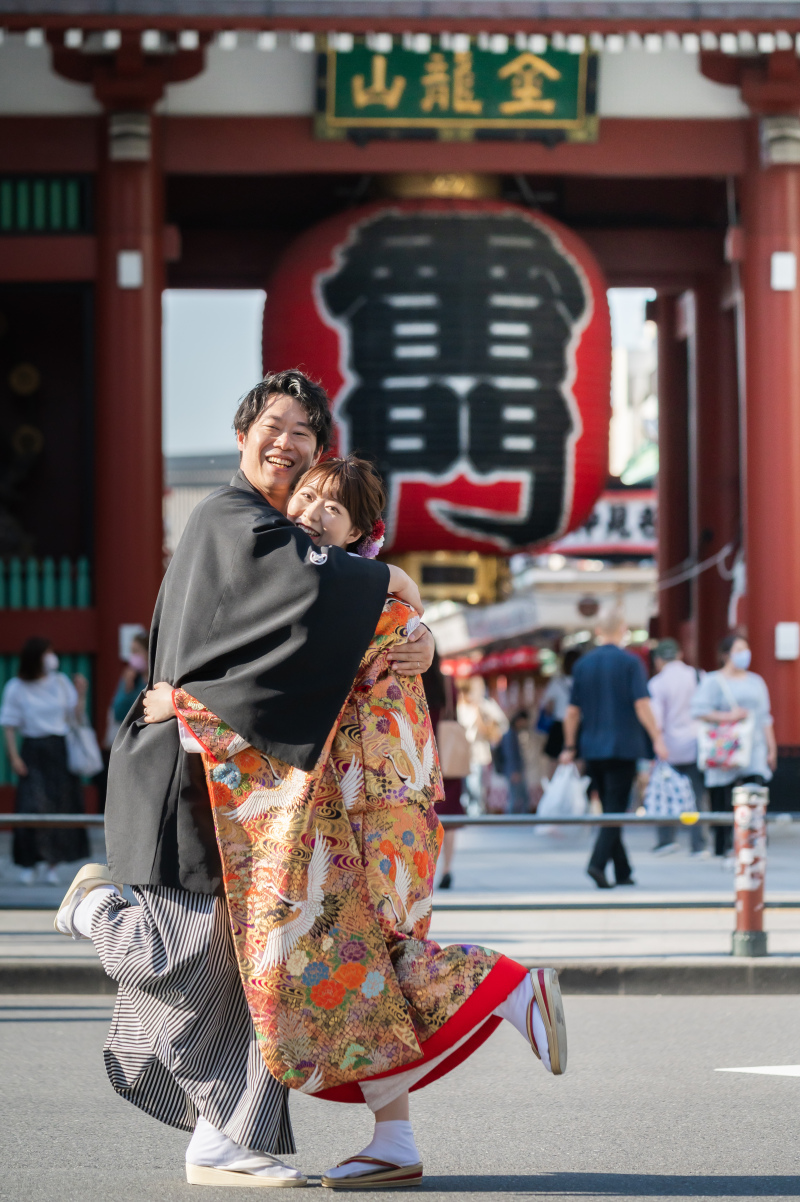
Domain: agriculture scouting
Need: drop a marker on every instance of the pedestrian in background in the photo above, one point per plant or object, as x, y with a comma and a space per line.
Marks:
440, 694
730, 695
509, 760
672, 691
38, 705
484, 725
132, 680
554, 702
611, 706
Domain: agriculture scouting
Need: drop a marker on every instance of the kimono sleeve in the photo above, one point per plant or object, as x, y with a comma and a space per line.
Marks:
214, 737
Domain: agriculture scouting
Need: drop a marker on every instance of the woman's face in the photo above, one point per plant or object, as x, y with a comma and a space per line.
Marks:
324, 519
740, 655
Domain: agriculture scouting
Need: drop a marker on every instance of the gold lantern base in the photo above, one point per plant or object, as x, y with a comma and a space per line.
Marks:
465, 576
419, 185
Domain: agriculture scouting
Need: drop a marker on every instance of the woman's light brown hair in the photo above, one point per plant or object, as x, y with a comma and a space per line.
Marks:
353, 482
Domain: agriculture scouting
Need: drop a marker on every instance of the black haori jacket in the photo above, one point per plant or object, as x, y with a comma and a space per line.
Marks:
268, 633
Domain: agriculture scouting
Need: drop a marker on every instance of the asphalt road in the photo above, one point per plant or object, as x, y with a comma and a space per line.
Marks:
641, 1113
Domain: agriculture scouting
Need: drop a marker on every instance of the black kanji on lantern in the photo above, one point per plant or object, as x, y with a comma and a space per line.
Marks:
458, 326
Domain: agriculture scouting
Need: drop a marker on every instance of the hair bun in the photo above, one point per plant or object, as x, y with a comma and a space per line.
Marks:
370, 546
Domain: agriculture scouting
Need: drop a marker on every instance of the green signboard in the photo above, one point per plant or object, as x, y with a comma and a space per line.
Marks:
457, 94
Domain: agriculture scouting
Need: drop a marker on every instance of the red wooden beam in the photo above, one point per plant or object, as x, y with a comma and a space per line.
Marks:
286, 145
656, 258
49, 143
48, 258
72, 631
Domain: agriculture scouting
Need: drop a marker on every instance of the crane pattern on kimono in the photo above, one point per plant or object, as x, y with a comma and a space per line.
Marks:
409, 917
351, 782
421, 768
286, 791
283, 939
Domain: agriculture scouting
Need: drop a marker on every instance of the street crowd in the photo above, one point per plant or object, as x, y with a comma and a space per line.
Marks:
599, 710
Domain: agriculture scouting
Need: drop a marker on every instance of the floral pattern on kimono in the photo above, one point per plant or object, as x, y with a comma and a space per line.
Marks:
329, 880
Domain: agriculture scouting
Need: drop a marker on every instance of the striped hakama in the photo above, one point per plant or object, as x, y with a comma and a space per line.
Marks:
182, 1042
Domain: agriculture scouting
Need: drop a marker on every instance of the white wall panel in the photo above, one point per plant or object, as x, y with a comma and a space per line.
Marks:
248, 81
28, 86
669, 84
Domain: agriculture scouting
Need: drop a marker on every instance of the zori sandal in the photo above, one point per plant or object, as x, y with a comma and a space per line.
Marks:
386, 1176
547, 995
197, 1174
90, 877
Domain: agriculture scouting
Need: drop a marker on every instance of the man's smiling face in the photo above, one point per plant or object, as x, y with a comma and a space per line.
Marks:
276, 450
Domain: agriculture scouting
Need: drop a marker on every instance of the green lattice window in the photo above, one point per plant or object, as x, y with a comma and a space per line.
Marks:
53, 204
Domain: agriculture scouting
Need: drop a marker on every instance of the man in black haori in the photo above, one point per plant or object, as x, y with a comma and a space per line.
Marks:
268, 633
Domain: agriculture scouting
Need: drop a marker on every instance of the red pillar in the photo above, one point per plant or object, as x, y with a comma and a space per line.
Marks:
771, 216
128, 474
716, 439
128, 82
673, 467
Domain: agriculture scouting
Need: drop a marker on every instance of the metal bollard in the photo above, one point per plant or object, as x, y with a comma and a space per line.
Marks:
750, 853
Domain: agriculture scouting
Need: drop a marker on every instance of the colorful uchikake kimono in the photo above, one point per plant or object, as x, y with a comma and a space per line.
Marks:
329, 880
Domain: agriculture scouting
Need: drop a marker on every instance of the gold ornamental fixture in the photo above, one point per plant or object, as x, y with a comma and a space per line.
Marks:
419, 185
465, 576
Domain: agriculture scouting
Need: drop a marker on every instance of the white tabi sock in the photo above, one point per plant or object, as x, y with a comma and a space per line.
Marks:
515, 1009
392, 1141
210, 1148
86, 909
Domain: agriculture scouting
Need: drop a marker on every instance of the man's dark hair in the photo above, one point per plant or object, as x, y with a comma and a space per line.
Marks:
31, 666
294, 383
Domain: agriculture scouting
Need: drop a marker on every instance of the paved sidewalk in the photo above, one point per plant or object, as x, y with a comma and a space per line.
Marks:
545, 863
523, 892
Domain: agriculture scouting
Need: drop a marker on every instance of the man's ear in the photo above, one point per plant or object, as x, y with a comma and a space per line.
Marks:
240, 440
317, 456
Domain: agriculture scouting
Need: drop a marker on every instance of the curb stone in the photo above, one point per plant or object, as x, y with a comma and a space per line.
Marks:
729, 975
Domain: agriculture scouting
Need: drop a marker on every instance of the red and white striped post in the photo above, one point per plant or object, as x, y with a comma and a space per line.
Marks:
750, 853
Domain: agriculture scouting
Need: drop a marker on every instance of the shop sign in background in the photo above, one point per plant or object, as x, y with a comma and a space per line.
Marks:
446, 90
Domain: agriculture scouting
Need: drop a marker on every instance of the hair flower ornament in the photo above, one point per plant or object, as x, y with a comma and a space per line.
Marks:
371, 544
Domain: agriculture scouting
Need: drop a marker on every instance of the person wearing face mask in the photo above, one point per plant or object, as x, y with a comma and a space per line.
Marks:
729, 695
132, 680
38, 704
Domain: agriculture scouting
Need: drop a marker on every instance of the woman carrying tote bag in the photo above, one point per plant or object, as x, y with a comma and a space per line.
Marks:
734, 704
41, 705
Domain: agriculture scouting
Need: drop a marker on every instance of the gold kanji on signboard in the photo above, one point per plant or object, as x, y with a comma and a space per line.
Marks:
436, 82
526, 72
464, 100
378, 92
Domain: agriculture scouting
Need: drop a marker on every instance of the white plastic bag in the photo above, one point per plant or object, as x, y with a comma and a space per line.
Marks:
669, 793
565, 794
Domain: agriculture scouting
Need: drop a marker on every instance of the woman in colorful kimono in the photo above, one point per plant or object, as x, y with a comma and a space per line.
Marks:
329, 879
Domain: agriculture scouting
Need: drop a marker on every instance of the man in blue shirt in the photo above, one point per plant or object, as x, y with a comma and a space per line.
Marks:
610, 704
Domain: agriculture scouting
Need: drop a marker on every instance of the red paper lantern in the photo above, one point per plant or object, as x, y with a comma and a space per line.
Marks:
466, 347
